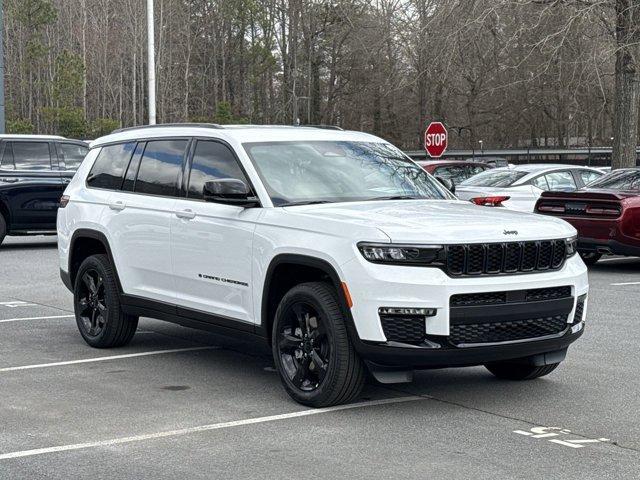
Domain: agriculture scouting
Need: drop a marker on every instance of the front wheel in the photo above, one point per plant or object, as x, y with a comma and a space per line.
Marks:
100, 319
516, 371
590, 258
3, 228
317, 364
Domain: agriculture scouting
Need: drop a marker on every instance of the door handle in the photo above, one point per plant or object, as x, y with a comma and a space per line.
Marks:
187, 214
9, 180
117, 206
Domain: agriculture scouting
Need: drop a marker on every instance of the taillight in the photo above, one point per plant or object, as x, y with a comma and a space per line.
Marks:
495, 201
602, 211
551, 208
64, 200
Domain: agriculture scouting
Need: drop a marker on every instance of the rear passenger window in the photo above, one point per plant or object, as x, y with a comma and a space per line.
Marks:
540, 182
588, 176
160, 167
212, 161
109, 167
30, 155
559, 181
72, 155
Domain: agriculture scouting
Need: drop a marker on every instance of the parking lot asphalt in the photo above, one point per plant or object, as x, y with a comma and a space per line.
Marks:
178, 402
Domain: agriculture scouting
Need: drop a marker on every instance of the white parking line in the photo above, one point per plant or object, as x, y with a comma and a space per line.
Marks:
9, 320
625, 283
205, 428
104, 359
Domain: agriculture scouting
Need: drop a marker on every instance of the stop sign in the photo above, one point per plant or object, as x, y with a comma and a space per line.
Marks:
435, 139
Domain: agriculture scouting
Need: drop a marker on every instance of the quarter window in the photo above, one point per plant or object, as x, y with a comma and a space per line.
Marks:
33, 156
72, 155
109, 167
212, 161
160, 167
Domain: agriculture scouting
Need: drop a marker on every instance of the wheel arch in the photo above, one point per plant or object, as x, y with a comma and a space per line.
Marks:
307, 268
84, 243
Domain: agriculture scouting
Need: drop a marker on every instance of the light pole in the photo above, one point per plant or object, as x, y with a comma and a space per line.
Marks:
151, 63
2, 117
481, 149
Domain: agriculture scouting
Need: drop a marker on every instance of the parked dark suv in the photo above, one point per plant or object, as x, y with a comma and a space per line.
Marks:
34, 171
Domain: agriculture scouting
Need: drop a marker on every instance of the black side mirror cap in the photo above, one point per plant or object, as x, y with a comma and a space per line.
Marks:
230, 191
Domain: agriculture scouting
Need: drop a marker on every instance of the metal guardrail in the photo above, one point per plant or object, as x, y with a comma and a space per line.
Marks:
597, 156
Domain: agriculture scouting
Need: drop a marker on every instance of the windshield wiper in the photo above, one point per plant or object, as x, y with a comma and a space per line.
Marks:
304, 202
396, 197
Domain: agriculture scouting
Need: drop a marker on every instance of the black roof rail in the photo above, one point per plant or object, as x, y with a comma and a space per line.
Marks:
326, 127
160, 125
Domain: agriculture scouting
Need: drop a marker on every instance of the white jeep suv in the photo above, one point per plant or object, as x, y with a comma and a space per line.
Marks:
331, 245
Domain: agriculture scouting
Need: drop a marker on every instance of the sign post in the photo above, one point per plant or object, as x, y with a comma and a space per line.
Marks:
436, 139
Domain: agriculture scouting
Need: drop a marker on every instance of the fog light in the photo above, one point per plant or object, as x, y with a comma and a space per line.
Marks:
425, 312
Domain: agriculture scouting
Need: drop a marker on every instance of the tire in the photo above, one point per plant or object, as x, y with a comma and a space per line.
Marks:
519, 371
3, 228
298, 346
590, 258
100, 319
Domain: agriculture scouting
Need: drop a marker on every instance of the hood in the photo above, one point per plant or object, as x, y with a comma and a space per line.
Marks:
440, 221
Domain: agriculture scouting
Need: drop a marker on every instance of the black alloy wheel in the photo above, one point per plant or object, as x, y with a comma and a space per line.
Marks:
100, 318
91, 304
312, 352
303, 346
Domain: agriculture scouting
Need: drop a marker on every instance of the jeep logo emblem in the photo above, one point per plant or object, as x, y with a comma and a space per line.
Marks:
510, 232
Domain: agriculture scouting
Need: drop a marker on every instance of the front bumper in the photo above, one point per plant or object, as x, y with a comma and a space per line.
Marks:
419, 357
373, 286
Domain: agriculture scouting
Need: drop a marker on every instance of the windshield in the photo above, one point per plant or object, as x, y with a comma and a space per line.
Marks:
494, 178
619, 180
339, 171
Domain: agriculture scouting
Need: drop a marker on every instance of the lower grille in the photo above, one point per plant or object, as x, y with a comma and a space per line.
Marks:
407, 329
494, 298
507, 331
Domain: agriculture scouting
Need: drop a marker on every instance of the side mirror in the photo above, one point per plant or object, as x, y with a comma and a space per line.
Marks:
230, 191
447, 183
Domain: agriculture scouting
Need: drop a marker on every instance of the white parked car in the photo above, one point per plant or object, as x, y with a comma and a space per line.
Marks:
523, 184
332, 246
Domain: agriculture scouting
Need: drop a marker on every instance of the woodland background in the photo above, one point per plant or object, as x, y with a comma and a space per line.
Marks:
508, 72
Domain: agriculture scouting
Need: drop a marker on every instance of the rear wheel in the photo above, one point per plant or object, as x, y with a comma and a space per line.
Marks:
100, 319
590, 258
516, 371
317, 364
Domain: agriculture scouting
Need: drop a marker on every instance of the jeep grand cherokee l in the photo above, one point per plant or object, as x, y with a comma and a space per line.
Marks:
331, 245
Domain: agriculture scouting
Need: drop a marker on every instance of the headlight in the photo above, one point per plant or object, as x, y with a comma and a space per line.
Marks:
572, 246
420, 255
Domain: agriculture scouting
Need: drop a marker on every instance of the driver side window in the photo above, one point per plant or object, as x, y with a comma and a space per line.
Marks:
212, 161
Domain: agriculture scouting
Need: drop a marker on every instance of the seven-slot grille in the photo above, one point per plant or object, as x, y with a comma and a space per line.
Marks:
508, 257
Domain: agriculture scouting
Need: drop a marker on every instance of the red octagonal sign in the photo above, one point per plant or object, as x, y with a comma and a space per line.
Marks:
435, 139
